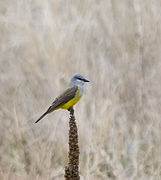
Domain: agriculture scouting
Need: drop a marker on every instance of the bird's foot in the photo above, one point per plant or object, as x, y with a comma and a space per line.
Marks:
71, 110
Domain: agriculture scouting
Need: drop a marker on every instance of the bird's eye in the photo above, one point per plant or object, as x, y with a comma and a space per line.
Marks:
79, 79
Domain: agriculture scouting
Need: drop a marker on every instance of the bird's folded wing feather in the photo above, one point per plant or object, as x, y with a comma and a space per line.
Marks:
64, 97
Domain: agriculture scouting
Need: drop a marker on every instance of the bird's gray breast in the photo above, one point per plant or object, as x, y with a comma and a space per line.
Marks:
81, 90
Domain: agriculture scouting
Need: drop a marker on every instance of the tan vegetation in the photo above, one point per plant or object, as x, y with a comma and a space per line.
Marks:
117, 46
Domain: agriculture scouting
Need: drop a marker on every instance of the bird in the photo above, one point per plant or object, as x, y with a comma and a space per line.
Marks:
69, 97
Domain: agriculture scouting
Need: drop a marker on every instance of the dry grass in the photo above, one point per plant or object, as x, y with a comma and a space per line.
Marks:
117, 46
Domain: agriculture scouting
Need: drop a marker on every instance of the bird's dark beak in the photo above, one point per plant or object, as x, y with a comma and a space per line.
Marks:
85, 80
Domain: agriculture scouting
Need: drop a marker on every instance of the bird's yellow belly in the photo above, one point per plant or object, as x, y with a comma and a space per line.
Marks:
72, 102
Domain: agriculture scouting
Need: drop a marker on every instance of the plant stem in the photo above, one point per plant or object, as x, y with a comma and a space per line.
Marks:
72, 170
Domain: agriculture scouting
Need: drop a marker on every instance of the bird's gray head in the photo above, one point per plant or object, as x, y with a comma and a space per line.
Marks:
78, 80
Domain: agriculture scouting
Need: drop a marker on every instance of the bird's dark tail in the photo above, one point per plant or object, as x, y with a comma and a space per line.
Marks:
42, 117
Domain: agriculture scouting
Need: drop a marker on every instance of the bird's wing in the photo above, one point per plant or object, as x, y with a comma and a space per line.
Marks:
64, 97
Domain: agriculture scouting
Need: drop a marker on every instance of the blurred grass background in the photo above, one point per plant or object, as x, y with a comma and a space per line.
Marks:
117, 46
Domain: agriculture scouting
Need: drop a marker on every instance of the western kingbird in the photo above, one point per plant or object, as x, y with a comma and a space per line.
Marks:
69, 97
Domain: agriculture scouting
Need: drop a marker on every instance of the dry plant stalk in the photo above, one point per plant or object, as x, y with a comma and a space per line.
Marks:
72, 170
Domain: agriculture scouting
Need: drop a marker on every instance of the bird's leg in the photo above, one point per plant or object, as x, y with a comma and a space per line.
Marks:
71, 110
